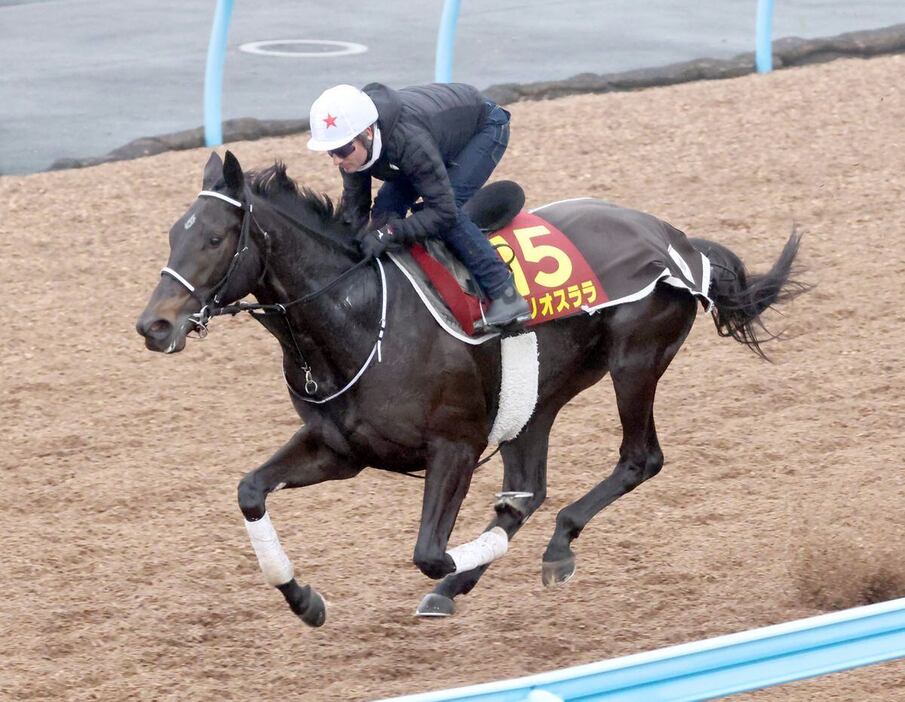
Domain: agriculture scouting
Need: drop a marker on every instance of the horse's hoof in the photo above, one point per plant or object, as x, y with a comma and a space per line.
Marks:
558, 572
305, 603
434, 605
315, 613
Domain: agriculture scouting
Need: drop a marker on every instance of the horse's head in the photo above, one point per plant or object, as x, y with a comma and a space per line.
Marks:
210, 259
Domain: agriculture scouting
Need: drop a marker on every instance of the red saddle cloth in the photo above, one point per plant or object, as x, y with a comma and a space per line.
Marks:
549, 272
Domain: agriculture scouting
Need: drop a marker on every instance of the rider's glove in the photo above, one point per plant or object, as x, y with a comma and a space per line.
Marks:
374, 243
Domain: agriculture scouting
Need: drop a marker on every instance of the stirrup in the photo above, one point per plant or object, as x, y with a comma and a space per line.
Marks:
482, 326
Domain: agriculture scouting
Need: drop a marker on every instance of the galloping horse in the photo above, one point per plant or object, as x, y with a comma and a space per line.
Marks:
379, 384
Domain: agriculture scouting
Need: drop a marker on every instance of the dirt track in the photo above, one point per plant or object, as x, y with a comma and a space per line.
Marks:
128, 573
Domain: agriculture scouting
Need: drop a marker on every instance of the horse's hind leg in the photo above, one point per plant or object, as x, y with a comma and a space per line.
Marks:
524, 471
644, 344
304, 460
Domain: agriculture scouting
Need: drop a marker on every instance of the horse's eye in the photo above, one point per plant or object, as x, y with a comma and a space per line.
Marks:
215, 240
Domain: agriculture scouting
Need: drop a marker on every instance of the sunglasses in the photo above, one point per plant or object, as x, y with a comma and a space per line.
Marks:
342, 151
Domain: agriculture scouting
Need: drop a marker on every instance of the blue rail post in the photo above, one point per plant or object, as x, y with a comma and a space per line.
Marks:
213, 75
446, 39
764, 39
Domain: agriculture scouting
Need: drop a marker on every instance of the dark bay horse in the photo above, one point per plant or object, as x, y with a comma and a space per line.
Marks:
379, 384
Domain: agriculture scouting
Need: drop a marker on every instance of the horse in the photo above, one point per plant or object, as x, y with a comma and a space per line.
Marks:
378, 384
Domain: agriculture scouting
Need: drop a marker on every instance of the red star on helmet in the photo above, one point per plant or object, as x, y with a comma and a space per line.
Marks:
330, 120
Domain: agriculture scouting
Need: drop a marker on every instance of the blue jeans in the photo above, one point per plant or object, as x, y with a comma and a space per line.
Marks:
468, 171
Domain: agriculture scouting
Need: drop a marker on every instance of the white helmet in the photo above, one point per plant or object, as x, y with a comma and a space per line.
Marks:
339, 115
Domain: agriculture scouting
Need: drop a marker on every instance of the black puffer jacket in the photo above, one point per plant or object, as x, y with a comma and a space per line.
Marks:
422, 129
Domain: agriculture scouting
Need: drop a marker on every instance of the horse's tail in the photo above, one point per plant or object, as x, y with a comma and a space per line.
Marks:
740, 297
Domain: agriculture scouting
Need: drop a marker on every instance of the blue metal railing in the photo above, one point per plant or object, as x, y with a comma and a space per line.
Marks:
715, 667
446, 41
764, 36
213, 75
446, 38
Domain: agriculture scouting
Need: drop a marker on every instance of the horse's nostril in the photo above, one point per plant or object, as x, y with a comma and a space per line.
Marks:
160, 328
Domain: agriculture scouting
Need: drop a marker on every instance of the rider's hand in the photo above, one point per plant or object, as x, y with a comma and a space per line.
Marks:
374, 243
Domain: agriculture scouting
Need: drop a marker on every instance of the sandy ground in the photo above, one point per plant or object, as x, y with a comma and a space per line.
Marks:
127, 572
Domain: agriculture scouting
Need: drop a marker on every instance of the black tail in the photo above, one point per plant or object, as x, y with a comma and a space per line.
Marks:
740, 298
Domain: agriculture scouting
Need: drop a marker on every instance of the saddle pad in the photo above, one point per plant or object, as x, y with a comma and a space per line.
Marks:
465, 308
432, 300
631, 252
549, 270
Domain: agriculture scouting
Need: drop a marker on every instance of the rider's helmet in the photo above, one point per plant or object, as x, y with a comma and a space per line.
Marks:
339, 115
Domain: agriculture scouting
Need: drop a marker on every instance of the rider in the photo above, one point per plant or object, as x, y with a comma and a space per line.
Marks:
439, 142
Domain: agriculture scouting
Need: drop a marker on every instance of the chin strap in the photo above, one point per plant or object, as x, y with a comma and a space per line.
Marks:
375, 150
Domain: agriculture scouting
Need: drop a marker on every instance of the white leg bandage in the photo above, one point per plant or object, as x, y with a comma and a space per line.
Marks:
274, 562
486, 548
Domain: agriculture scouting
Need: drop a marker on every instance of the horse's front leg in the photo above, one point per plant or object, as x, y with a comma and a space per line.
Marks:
449, 470
524, 490
304, 460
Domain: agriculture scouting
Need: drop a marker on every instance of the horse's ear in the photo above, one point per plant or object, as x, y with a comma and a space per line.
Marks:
232, 173
212, 171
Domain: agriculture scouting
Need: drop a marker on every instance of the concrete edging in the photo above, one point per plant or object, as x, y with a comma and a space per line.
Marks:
787, 52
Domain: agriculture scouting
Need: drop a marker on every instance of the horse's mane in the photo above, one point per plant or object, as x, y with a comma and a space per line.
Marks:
301, 204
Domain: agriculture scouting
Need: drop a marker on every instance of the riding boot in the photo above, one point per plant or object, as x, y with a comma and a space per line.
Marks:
507, 307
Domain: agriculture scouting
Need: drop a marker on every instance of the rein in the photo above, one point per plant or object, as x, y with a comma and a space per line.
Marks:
310, 383
201, 319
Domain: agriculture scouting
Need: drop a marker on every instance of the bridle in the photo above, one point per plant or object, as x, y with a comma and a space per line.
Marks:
210, 305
